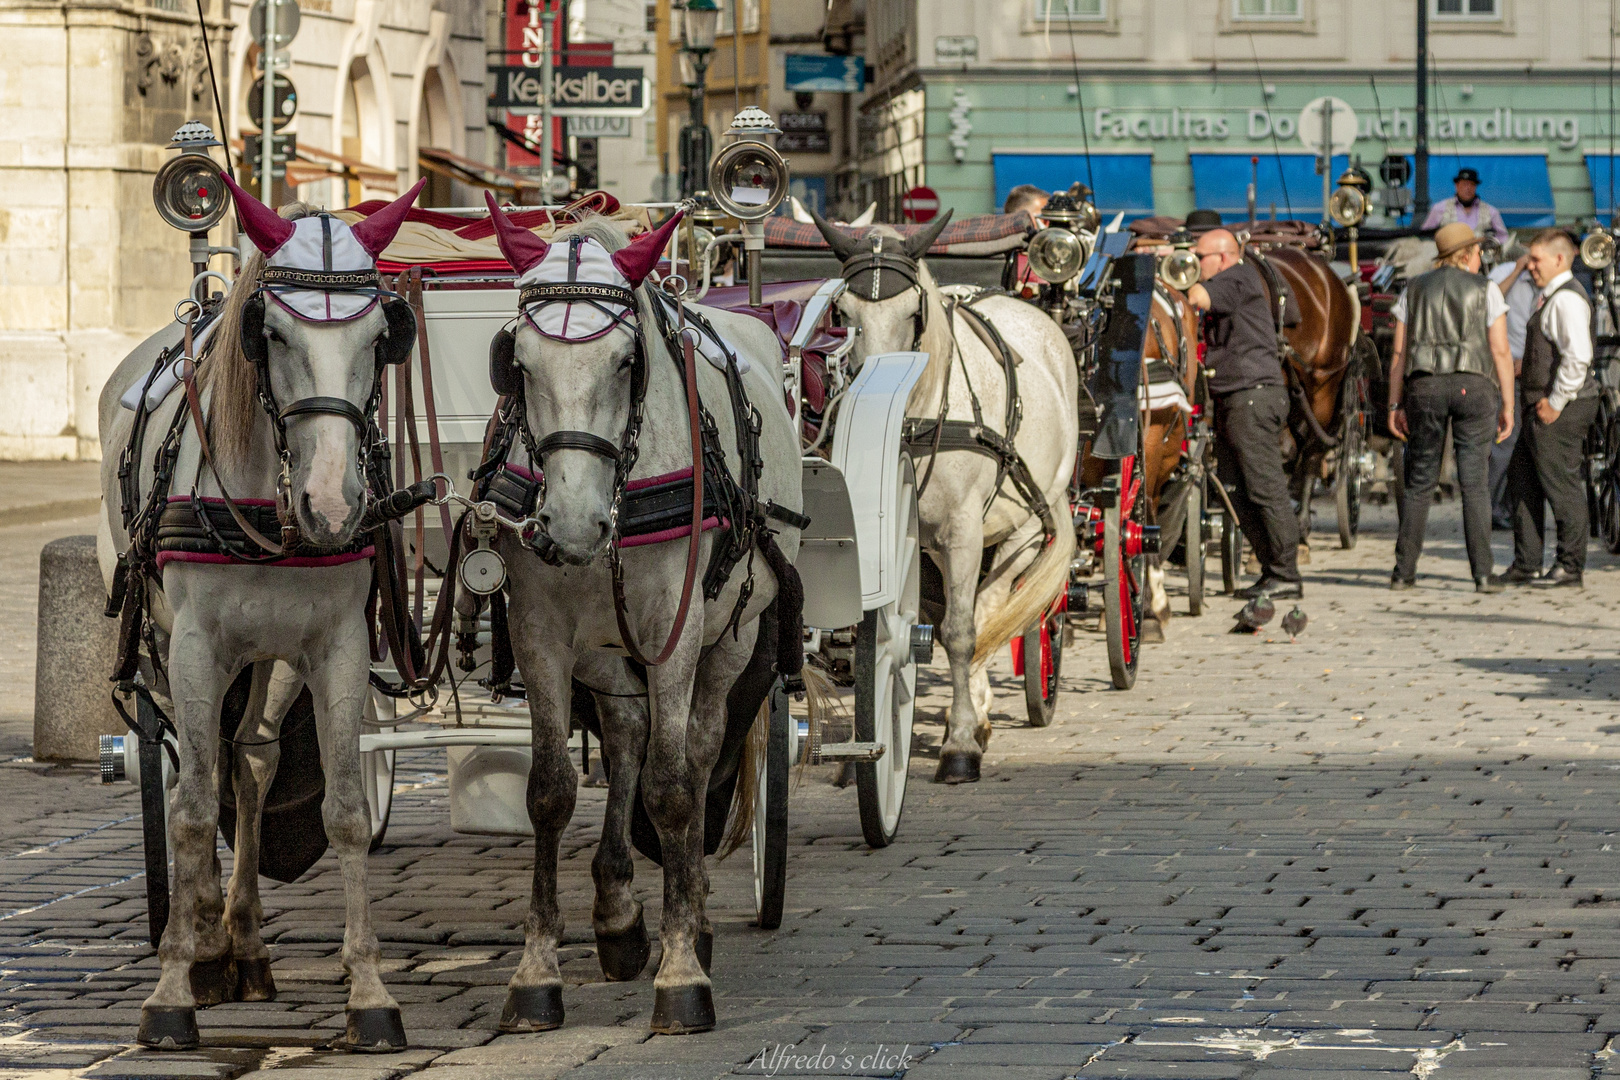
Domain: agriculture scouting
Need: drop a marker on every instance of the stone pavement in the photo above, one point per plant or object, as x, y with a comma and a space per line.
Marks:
1386, 849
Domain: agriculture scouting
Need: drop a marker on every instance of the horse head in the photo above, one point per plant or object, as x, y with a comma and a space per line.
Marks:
575, 358
889, 287
317, 330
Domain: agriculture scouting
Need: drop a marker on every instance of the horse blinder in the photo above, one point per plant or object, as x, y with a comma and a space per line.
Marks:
505, 377
254, 345
395, 346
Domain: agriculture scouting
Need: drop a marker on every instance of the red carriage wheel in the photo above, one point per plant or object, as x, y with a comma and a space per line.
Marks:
1125, 574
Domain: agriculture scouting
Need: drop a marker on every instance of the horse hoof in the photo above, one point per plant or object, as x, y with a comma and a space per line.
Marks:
956, 767
253, 980
373, 1031
704, 947
533, 1008
683, 1010
167, 1028
1152, 632
213, 982
623, 956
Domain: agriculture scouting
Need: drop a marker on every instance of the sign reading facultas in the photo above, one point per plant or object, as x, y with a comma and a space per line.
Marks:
574, 90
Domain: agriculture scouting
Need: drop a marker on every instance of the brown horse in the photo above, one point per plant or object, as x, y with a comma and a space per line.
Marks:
1319, 351
1172, 341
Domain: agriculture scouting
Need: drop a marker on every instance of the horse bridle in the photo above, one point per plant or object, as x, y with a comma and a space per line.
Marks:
903, 273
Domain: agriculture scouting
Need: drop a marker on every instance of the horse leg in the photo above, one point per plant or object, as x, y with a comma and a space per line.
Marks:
338, 688
534, 1000
275, 685
1158, 604
198, 679
688, 713
622, 945
1012, 557
960, 753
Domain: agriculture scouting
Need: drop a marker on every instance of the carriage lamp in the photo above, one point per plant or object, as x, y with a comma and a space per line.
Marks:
1179, 269
1597, 249
190, 194
1348, 207
749, 180
1057, 255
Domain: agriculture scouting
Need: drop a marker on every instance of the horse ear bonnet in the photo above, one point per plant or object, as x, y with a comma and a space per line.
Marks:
254, 347
505, 377
394, 347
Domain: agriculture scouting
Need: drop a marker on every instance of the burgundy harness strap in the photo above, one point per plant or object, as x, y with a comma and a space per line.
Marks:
693, 406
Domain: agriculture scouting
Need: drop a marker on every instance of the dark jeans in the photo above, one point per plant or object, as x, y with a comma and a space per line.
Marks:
1471, 404
1546, 468
1501, 454
1248, 444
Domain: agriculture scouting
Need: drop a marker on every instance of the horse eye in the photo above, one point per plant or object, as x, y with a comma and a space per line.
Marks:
624, 365
271, 333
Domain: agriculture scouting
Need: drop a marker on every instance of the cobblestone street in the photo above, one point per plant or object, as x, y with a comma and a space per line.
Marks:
1385, 849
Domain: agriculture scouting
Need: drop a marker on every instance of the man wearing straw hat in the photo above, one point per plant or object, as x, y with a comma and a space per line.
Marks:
1450, 364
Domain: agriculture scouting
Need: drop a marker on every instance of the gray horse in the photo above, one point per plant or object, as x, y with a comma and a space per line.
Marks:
318, 351
576, 375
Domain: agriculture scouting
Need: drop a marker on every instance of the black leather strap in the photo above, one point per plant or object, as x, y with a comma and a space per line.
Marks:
330, 406
576, 440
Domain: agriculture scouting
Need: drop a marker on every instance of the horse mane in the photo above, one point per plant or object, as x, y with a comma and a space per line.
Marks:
226, 375
604, 230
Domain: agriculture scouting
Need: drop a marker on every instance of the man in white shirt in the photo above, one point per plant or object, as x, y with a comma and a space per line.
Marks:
1514, 280
1559, 396
1449, 361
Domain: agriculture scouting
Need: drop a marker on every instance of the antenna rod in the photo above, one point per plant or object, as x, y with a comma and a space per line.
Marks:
1420, 155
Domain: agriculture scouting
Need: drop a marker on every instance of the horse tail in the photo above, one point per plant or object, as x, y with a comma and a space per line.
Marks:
741, 826
1035, 591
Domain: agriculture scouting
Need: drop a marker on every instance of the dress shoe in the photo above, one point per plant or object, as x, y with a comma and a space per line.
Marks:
1277, 590
1559, 577
1488, 585
1513, 575
1400, 584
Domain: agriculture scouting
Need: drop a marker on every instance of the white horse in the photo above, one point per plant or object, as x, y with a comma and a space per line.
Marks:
577, 367
313, 348
962, 509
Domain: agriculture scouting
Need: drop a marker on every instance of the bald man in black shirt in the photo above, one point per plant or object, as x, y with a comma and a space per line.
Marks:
1251, 407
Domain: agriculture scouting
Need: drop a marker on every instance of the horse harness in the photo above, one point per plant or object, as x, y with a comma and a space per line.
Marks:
650, 510
1282, 318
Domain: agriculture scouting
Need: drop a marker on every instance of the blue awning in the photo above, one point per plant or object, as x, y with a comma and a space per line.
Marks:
1120, 181
1288, 182
1516, 184
1600, 167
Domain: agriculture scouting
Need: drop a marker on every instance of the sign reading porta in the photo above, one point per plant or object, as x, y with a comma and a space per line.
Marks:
575, 91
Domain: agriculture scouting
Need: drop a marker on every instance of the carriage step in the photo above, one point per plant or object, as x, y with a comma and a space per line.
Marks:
847, 751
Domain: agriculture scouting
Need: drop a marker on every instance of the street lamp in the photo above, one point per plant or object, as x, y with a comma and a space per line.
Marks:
700, 20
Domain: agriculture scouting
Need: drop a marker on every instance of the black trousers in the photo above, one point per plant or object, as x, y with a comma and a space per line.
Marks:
1546, 469
1248, 434
1501, 455
1470, 403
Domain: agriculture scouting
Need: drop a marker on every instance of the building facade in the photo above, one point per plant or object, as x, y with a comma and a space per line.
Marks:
90, 93
1166, 105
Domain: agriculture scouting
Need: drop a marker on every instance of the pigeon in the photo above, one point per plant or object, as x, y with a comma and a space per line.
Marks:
1255, 614
1294, 622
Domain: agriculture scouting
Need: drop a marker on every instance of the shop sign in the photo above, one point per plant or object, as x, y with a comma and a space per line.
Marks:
574, 90
1500, 125
597, 126
812, 73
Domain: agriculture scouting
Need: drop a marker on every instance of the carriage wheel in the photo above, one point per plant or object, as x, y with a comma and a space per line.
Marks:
1043, 664
1595, 468
1124, 575
771, 815
1231, 553
377, 770
1609, 501
1193, 544
886, 678
1347, 475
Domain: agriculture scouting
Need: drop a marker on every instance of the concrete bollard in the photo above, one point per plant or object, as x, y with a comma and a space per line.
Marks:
75, 649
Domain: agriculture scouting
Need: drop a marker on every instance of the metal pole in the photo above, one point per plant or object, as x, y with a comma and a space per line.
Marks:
547, 17
267, 140
700, 156
1420, 154
1326, 157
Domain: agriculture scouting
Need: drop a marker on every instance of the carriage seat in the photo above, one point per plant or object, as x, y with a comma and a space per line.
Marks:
782, 309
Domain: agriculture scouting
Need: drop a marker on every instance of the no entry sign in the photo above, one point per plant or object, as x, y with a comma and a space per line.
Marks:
920, 205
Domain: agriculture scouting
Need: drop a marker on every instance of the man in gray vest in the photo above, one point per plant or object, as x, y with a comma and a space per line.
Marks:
1560, 397
1450, 361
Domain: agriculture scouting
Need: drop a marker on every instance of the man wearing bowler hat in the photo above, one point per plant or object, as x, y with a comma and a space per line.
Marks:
1467, 207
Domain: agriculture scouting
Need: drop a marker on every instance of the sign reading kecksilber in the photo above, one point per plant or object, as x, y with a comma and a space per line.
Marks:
574, 90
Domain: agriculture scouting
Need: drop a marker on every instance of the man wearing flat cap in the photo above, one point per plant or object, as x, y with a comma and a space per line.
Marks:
1468, 208
1451, 364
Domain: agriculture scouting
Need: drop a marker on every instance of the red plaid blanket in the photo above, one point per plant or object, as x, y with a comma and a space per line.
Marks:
979, 234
